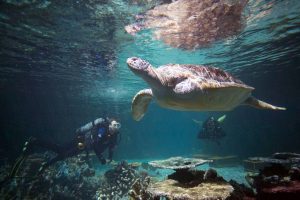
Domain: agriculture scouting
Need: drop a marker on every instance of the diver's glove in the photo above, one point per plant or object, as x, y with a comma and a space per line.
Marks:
109, 161
103, 161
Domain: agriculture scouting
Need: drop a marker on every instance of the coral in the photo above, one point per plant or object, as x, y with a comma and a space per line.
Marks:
171, 189
197, 184
119, 180
71, 179
139, 187
177, 163
187, 183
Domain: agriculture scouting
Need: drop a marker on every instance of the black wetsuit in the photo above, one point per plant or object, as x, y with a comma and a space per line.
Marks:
100, 139
211, 129
90, 136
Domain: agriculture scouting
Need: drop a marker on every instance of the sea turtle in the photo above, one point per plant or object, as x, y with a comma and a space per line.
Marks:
189, 87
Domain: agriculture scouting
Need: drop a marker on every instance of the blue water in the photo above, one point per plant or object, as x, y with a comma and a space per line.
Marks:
63, 64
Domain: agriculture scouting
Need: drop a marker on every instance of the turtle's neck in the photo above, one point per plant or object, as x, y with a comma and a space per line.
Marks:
153, 78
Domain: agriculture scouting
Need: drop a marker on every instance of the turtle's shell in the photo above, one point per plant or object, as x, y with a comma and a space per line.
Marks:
197, 87
174, 73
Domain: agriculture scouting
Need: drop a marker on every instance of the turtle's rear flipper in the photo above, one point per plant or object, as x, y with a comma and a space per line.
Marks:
140, 104
252, 101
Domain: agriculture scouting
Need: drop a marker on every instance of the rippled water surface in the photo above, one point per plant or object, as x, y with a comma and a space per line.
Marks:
65, 61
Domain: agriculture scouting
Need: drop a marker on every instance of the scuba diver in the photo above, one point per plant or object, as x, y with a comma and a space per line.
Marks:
98, 135
211, 129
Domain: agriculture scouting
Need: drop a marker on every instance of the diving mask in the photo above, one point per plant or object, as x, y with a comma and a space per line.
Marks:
115, 125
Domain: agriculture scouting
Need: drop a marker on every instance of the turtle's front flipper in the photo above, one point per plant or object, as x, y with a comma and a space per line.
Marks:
252, 101
140, 103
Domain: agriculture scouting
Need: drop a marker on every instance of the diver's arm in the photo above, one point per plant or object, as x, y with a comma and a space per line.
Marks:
89, 125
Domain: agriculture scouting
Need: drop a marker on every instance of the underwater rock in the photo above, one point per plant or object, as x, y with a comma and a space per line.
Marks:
178, 163
190, 24
279, 158
241, 191
198, 184
293, 158
182, 167
171, 189
280, 179
146, 166
288, 192
273, 160
210, 174
286, 158
270, 176
191, 178
186, 183
294, 173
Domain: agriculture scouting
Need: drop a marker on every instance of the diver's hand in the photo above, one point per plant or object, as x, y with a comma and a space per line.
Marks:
109, 161
103, 161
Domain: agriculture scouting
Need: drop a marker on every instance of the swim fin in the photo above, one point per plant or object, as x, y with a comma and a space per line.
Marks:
14, 169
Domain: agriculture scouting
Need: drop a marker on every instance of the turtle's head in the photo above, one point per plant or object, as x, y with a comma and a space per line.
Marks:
143, 69
138, 65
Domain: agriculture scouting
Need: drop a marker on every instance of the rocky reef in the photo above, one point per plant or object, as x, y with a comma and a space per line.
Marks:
279, 178
73, 178
76, 178
189, 183
171, 190
119, 181
69, 179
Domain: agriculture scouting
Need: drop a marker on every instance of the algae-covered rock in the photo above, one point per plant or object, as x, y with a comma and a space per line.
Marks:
178, 163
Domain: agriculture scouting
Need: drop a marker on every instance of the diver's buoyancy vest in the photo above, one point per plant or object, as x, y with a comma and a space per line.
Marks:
99, 132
